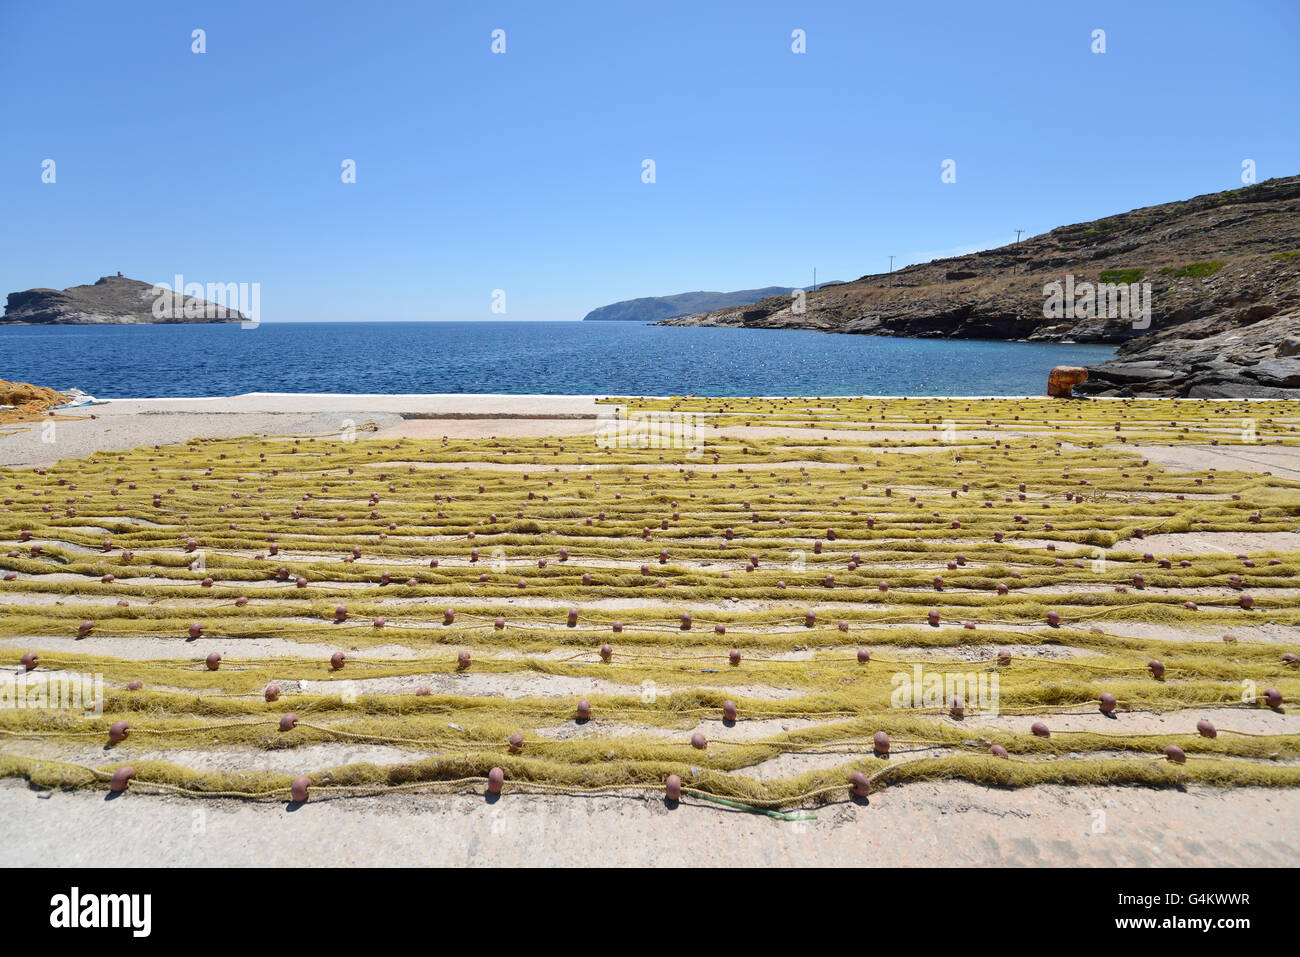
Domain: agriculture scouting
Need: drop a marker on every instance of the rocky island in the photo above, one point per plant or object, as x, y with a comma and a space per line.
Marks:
110, 300
1219, 275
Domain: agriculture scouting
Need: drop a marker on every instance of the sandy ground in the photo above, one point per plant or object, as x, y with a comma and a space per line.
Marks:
945, 824
931, 823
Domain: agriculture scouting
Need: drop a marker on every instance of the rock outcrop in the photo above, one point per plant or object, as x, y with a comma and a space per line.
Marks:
1220, 274
654, 308
111, 300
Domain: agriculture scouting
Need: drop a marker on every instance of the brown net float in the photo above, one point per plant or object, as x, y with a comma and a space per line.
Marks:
298, 790
288, 721
1040, 730
121, 777
496, 778
572, 618
337, 660
728, 710
584, 709
734, 656
1273, 698
272, 693
1205, 729
85, 628
673, 788
956, 708
29, 660
134, 685
932, 617
880, 742
213, 661
1156, 667
462, 660
998, 751
1175, 754
515, 742
341, 613
196, 629
448, 616
859, 784
1106, 702
118, 731
698, 741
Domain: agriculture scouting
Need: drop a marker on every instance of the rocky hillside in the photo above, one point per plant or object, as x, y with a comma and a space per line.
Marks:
1224, 279
109, 300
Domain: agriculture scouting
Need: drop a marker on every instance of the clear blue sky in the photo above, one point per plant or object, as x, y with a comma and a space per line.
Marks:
522, 171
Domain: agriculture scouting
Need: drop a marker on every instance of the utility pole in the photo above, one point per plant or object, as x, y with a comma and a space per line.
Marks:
1013, 264
1018, 232
814, 278
891, 270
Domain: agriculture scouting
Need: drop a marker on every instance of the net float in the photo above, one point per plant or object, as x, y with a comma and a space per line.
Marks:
1190, 605
1206, 729
1054, 619
734, 656
1246, 601
107, 579
134, 685
515, 742
956, 709
462, 660
118, 731
1175, 754
586, 578
882, 586
997, 536
880, 742
998, 751
298, 790
1273, 698
698, 741
843, 626
499, 623
423, 691
241, 601
288, 721
686, 621
448, 616
573, 617
1040, 729
336, 660
673, 788
606, 652
728, 710
1156, 667
1107, 702
496, 778
859, 784
1001, 588
584, 710
932, 617
864, 656
121, 777
809, 619
616, 627
341, 613
213, 661
1139, 581
1290, 658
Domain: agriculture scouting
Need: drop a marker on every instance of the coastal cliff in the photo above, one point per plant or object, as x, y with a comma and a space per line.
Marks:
1218, 273
110, 300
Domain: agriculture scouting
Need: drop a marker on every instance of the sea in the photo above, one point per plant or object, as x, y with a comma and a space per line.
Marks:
568, 358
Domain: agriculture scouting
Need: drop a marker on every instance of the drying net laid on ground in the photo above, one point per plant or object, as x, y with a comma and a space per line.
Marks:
754, 598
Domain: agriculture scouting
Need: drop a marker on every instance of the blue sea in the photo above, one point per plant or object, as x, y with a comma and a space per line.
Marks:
574, 358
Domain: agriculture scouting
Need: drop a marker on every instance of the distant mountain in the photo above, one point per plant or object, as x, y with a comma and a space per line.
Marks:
110, 300
654, 308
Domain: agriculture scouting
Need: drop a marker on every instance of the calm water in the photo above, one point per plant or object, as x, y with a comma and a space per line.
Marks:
517, 357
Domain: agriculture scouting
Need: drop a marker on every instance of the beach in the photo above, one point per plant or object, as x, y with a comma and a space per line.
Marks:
806, 707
